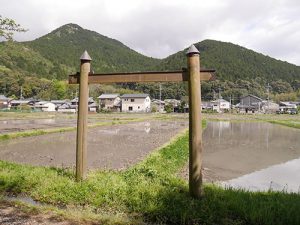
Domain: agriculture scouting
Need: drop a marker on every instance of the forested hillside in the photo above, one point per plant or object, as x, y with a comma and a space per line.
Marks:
42, 66
65, 45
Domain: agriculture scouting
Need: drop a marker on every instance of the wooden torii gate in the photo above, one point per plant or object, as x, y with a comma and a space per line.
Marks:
193, 75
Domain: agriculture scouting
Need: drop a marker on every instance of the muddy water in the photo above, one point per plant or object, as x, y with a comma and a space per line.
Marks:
113, 147
8, 126
268, 153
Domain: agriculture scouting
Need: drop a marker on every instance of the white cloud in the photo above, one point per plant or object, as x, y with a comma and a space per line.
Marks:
159, 28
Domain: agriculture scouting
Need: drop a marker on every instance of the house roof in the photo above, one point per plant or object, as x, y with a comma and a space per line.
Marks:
134, 96
253, 96
219, 100
76, 99
58, 101
20, 101
108, 96
3, 97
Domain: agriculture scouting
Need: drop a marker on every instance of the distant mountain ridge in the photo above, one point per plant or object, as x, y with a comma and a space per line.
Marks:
55, 55
62, 47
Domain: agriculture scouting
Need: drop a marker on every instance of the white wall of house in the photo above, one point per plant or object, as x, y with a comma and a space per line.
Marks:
220, 105
109, 103
48, 107
136, 104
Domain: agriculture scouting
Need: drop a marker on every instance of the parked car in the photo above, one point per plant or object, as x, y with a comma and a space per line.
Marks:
292, 111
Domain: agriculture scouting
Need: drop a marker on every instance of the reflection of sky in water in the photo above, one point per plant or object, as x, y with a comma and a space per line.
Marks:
281, 177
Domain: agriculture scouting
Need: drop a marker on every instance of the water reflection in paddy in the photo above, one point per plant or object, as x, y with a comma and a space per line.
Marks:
233, 150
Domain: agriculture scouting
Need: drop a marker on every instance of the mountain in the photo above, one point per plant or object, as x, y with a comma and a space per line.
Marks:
234, 62
65, 45
53, 56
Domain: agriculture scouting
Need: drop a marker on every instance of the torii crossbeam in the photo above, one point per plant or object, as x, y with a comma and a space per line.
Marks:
193, 75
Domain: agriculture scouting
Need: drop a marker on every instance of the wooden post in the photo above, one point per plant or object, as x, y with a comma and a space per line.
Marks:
81, 142
195, 122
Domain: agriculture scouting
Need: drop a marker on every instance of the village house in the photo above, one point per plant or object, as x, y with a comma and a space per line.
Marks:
269, 106
66, 108
23, 102
44, 106
250, 103
58, 103
159, 105
287, 107
92, 105
4, 102
111, 102
136, 103
174, 103
220, 105
205, 105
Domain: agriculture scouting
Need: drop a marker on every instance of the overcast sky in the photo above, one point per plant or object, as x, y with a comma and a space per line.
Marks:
159, 28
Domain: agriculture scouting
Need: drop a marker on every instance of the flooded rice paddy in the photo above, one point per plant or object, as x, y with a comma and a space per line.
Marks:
112, 147
16, 125
253, 155
250, 155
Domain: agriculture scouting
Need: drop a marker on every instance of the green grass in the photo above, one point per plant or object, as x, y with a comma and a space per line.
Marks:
288, 123
150, 191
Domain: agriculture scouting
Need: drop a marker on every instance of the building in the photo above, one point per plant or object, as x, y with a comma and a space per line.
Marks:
111, 102
4, 102
269, 106
66, 108
285, 107
58, 103
92, 105
250, 103
220, 105
23, 102
206, 105
136, 103
45, 106
159, 105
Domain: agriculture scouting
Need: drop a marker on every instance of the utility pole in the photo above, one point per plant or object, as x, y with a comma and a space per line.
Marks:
21, 95
160, 98
268, 93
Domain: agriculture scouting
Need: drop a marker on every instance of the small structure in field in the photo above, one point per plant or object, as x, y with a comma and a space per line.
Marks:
111, 102
136, 103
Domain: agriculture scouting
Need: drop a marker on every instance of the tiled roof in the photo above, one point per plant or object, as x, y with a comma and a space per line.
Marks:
134, 96
106, 96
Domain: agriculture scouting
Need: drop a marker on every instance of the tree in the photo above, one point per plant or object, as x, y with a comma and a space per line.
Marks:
8, 27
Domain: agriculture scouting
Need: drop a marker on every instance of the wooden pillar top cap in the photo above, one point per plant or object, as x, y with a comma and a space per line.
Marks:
85, 56
192, 50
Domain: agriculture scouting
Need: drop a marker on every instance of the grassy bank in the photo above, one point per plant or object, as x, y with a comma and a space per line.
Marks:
288, 123
149, 191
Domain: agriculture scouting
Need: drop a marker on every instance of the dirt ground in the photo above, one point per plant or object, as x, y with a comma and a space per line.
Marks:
11, 214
